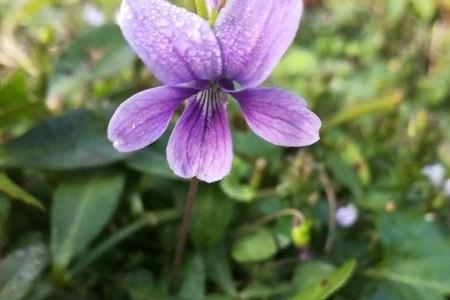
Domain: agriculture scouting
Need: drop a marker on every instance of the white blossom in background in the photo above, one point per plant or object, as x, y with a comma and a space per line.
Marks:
435, 173
446, 188
347, 215
92, 15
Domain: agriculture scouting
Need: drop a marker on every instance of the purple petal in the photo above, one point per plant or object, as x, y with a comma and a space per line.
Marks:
176, 45
144, 117
254, 34
201, 145
279, 117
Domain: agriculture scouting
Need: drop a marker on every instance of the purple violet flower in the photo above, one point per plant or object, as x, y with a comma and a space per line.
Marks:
201, 64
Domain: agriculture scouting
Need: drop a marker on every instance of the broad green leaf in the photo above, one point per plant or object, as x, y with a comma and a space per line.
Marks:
151, 162
219, 271
417, 260
98, 53
17, 105
426, 274
8, 187
233, 186
391, 290
409, 235
20, 269
193, 281
328, 285
72, 141
254, 247
82, 206
211, 217
311, 272
141, 286
14, 92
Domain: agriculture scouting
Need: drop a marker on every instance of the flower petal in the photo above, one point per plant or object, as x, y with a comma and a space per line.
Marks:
253, 36
176, 45
201, 144
144, 117
279, 117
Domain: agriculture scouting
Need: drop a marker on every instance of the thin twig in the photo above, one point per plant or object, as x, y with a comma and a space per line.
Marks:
183, 231
331, 198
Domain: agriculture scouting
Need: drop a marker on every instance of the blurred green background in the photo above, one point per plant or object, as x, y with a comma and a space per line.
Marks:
81, 221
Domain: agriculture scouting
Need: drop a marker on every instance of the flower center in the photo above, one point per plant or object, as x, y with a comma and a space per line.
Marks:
210, 99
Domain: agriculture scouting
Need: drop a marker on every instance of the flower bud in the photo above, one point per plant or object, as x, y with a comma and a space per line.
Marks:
301, 234
347, 215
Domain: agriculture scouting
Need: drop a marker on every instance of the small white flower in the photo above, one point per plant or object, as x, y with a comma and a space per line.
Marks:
435, 173
92, 15
347, 215
446, 188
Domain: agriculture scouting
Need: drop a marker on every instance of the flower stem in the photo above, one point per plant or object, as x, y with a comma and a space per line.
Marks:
331, 198
183, 231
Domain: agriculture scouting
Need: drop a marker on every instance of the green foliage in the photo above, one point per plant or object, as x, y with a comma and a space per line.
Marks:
73, 141
376, 72
254, 247
20, 269
81, 208
8, 187
324, 287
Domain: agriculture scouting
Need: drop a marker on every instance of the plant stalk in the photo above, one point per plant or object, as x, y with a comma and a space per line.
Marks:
183, 232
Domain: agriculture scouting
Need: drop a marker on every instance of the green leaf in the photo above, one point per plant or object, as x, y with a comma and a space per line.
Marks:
151, 162
254, 247
212, 215
99, 53
311, 272
20, 269
82, 207
409, 235
422, 274
72, 141
202, 11
17, 105
417, 261
232, 185
14, 91
219, 271
386, 289
328, 285
193, 282
141, 286
8, 187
